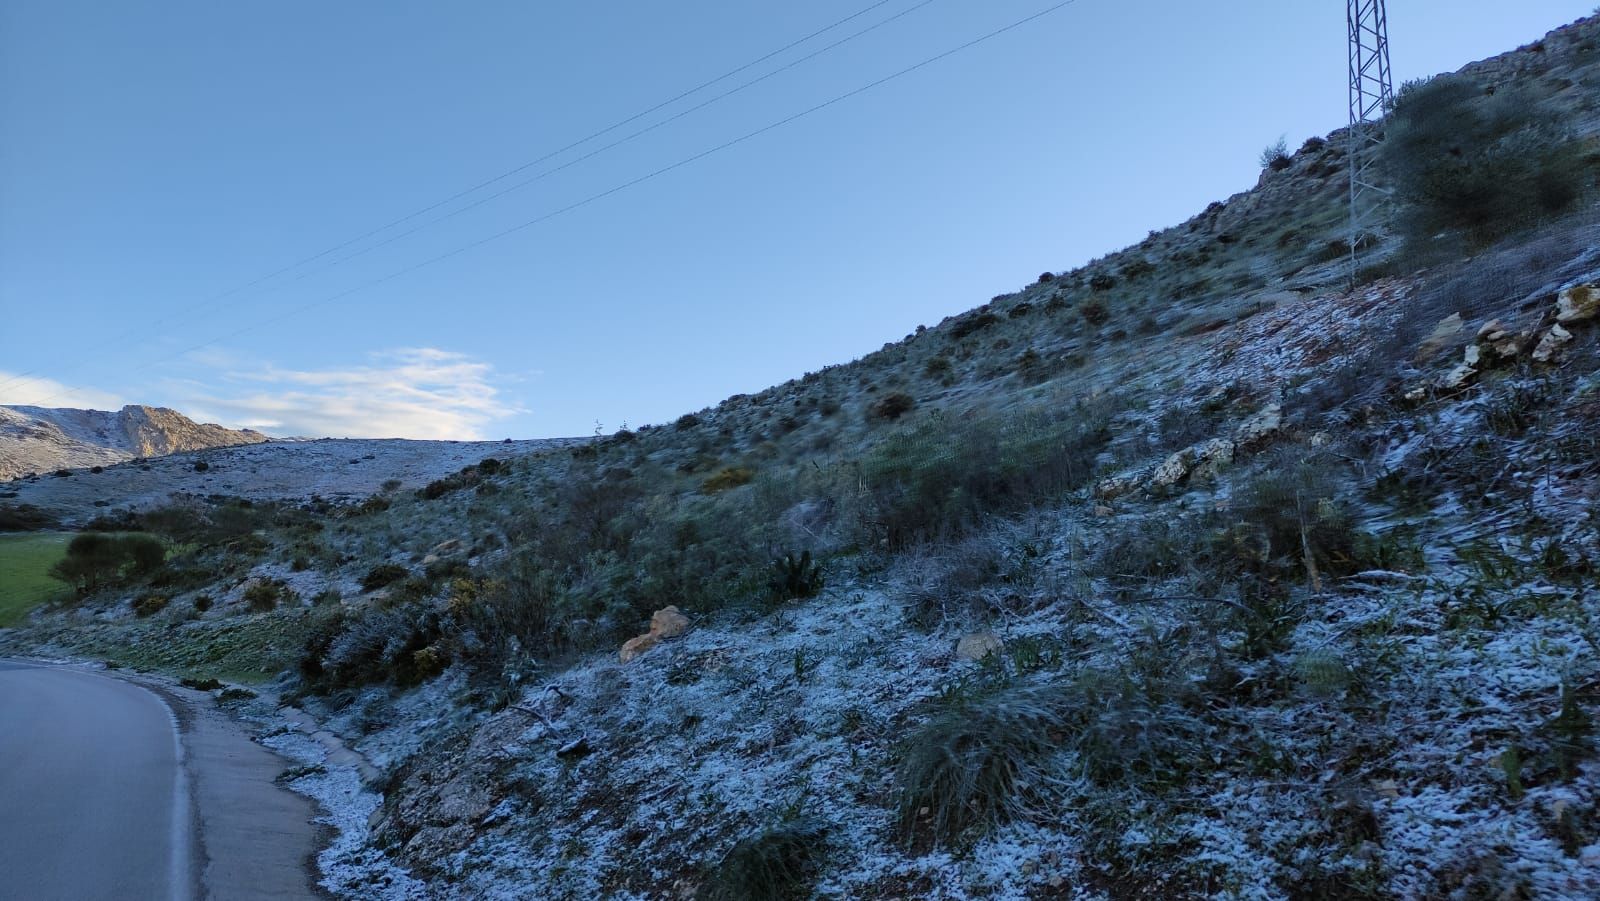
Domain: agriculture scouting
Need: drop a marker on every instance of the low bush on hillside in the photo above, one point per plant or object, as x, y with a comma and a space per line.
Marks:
794, 577
726, 479
937, 479
891, 407
149, 604
1481, 163
24, 518
263, 595
383, 575
997, 751
775, 864
95, 560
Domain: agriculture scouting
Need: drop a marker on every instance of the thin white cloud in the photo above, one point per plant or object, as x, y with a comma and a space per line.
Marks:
417, 392
34, 391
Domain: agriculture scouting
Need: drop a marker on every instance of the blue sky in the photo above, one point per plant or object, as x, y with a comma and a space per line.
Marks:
156, 157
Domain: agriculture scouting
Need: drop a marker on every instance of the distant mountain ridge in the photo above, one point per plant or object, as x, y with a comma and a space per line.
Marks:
42, 439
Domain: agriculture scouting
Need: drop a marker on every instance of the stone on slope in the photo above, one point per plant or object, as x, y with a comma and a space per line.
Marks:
1551, 344
977, 646
1578, 303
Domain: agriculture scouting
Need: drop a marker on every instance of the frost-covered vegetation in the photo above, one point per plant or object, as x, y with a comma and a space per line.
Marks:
1212, 568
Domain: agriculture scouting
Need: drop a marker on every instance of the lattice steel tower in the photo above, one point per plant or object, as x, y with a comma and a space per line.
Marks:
1371, 95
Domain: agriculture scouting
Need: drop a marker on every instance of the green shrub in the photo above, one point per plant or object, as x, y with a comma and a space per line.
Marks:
1276, 156
94, 559
1001, 752
1479, 163
969, 765
263, 595
775, 864
939, 478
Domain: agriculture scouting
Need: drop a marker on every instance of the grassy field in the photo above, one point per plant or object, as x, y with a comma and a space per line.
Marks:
25, 561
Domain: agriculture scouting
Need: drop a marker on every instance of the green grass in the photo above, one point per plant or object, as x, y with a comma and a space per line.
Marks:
25, 561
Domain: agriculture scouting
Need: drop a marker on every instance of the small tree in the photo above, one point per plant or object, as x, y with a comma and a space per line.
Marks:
1276, 156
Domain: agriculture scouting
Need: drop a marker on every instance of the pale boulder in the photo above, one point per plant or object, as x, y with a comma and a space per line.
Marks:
1465, 372
1551, 344
1261, 427
668, 622
633, 647
1442, 336
977, 646
1578, 303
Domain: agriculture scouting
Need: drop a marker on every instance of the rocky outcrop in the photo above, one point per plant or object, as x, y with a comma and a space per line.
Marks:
40, 439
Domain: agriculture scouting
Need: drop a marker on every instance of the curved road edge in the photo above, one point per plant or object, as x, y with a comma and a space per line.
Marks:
236, 832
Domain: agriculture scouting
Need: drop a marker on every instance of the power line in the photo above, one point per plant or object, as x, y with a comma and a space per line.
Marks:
24, 377
620, 141
457, 251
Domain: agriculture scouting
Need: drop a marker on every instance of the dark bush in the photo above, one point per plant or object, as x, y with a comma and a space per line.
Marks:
95, 560
201, 466
972, 323
489, 466
726, 479
794, 577
891, 407
383, 575
686, 421
24, 518
1100, 281
775, 864
263, 595
1095, 313
149, 604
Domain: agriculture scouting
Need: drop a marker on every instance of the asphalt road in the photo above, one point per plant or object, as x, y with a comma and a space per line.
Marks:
93, 795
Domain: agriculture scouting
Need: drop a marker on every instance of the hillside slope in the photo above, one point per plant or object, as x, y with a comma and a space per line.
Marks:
1210, 569
41, 439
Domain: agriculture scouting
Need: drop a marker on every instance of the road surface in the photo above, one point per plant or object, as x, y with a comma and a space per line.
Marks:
105, 795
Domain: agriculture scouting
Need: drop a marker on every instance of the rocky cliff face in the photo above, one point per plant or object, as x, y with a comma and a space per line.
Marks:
38, 439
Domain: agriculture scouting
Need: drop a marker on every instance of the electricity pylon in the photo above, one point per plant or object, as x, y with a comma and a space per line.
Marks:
1371, 96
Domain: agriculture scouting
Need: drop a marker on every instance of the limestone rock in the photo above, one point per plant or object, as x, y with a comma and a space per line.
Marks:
1550, 345
1465, 372
1578, 303
633, 647
1261, 427
977, 646
1211, 456
1112, 487
1172, 470
668, 622
1497, 343
1442, 336
446, 548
